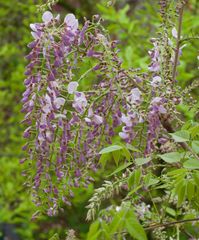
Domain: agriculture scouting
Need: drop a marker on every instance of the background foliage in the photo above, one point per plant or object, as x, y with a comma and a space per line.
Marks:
131, 22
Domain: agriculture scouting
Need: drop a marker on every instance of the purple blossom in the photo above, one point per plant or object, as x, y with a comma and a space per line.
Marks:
97, 119
124, 135
127, 120
47, 17
156, 81
155, 57
59, 102
72, 87
80, 102
71, 22
156, 108
93, 117
174, 32
135, 96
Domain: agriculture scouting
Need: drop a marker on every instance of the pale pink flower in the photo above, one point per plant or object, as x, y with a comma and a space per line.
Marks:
156, 81
71, 22
59, 102
97, 119
47, 17
72, 87
135, 96
123, 135
127, 120
174, 33
80, 102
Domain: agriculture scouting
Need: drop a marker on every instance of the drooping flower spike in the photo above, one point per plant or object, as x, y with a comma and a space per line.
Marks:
68, 126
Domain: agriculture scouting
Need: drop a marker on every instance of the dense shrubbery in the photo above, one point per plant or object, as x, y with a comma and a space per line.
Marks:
93, 116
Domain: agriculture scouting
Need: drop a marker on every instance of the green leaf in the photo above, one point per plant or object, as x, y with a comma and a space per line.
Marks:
118, 221
190, 190
194, 131
121, 168
187, 125
171, 157
134, 190
150, 179
181, 194
142, 161
110, 149
181, 136
93, 231
104, 158
55, 237
171, 211
116, 156
177, 172
180, 190
132, 148
191, 164
134, 179
134, 228
126, 153
195, 146
196, 178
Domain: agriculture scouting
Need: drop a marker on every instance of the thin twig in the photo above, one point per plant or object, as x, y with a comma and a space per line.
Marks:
189, 39
177, 43
167, 224
134, 82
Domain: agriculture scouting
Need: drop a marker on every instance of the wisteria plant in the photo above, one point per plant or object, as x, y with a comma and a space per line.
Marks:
125, 121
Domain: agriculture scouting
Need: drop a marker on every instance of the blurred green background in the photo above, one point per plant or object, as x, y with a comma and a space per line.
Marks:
133, 22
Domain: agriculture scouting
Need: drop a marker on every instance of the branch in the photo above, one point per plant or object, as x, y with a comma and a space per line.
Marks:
167, 224
189, 39
177, 43
134, 82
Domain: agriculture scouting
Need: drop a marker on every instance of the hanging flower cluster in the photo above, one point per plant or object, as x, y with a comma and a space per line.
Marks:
67, 125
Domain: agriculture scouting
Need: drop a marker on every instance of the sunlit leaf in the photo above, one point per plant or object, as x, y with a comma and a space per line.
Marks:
181, 136
142, 161
171, 211
126, 153
121, 168
190, 190
110, 149
134, 228
191, 164
171, 157
134, 178
181, 194
104, 158
195, 146
93, 231
116, 156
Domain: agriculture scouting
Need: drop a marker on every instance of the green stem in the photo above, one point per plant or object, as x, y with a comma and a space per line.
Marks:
177, 50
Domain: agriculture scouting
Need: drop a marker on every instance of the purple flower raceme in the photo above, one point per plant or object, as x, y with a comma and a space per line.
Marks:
42, 100
155, 57
66, 127
155, 110
132, 117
